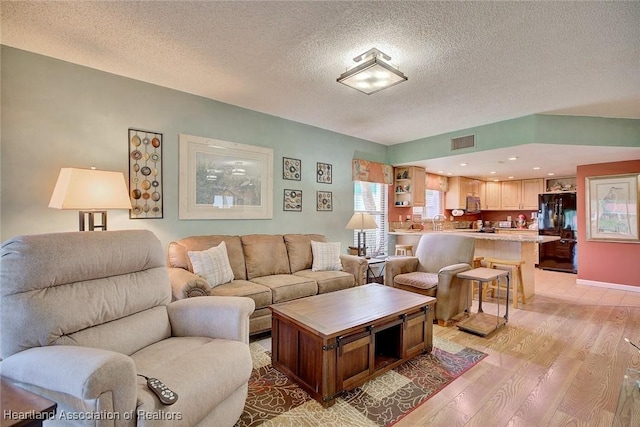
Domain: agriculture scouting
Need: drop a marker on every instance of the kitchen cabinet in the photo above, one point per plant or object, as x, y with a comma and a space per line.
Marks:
459, 188
491, 201
521, 194
409, 186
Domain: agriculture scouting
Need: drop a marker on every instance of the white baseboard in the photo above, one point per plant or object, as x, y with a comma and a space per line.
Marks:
627, 288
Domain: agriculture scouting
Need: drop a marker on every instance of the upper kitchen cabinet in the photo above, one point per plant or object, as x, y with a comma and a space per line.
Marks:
521, 194
409, 186
459, 188
491, 201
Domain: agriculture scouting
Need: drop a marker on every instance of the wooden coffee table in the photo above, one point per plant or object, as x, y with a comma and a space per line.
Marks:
337, 341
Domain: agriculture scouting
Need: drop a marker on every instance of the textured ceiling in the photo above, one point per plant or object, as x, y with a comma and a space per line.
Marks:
468, 63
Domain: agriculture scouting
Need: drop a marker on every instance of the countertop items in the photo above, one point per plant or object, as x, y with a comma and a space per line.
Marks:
507, 237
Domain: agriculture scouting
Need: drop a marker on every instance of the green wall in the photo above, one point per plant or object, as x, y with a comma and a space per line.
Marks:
538, 128
56, 114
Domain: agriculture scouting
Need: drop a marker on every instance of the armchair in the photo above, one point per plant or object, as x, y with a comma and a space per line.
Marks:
84, 313
432, 272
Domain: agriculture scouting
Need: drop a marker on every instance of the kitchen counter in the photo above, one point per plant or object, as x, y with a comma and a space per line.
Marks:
507, 237
511, 245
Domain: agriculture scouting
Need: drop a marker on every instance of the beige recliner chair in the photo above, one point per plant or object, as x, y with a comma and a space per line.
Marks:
83, 313
432, 272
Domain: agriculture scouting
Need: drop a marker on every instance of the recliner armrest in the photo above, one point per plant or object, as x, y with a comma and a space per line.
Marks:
82, 372
212, 316
401, 265
185, 284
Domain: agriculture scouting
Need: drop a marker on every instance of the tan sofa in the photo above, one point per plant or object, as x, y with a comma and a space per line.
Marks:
268, 268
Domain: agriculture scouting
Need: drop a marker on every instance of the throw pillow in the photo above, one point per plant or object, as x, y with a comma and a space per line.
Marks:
212, 265
326, 256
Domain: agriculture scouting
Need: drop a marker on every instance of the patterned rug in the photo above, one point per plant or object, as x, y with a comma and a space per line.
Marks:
274, 400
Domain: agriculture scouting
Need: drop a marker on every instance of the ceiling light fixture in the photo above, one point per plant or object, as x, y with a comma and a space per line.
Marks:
373, 74
513, 158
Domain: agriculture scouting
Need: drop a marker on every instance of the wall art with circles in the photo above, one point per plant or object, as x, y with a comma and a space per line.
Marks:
292, 200
145, 174
323, 173
324, 200
291, 169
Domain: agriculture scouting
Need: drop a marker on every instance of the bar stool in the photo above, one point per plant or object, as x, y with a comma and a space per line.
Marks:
518, 288
404, 250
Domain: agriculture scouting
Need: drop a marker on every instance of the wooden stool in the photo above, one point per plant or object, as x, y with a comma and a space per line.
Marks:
516, 287
404, 250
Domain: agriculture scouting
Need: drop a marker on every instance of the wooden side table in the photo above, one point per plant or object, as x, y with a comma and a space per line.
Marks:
20, 407
481, 323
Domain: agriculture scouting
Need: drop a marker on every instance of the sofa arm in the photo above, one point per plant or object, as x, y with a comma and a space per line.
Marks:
355, 265
81, 372
185, 284
395, 266
212, 316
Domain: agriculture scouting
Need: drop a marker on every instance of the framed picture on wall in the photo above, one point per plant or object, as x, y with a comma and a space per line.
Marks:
291, 169
612, 207
323, 173
145, 174
224, 180
292, 200
324, 200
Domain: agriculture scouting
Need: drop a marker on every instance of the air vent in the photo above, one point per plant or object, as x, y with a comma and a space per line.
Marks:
463, 142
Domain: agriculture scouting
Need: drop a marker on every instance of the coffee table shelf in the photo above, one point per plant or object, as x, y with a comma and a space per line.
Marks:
337, 341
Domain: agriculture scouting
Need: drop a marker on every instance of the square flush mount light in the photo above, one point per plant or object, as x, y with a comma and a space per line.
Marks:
374, 74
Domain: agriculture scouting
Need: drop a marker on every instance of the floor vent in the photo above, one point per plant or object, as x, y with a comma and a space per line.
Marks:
463, 142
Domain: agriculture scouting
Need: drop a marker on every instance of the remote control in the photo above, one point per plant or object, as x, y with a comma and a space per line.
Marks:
165, 395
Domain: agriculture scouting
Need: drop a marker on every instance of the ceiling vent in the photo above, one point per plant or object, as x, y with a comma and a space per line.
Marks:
468, 141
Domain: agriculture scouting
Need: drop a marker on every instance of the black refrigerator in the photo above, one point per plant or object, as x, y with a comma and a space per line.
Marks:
557, 216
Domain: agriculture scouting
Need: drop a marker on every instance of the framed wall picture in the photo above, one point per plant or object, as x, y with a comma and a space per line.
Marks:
323, 173
292, 200
612, 207
291, 169
224, 180
324, 200
145, 174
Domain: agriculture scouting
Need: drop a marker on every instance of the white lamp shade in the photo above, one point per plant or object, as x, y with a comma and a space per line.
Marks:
90, 189
361, 221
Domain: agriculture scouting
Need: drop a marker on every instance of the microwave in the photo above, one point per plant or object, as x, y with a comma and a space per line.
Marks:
473, 204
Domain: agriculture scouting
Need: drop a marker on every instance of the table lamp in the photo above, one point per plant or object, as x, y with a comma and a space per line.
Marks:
90, 191
361, 221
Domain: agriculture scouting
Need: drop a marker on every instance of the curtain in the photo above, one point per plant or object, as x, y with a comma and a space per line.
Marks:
364, 170
437, 182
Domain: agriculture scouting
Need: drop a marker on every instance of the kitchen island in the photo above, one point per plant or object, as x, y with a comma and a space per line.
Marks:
493, 245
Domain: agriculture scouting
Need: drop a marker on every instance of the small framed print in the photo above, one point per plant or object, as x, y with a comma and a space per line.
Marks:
323, 173
292, 200
291, 169
324, 200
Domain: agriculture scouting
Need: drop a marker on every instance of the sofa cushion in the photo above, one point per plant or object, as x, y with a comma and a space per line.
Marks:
417, 279
329, 281
180, 363
326, 256
212, 264
265, 255
285, 287
299, 250
261, 295
177, 254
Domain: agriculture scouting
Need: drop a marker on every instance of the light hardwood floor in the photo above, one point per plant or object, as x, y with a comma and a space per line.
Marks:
558, 362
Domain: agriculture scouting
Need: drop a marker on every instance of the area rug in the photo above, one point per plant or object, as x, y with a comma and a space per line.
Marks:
275, 400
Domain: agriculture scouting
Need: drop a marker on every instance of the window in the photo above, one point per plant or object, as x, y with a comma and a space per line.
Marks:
371, 198
434, 205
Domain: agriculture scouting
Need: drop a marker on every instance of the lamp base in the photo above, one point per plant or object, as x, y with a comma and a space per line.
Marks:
362, 244
90, 215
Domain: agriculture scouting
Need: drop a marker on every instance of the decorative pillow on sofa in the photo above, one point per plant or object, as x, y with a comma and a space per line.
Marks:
212, 265
326, 256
